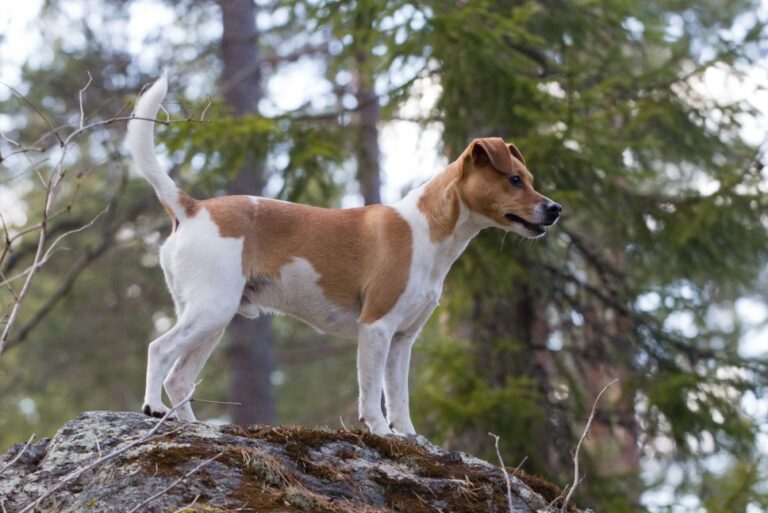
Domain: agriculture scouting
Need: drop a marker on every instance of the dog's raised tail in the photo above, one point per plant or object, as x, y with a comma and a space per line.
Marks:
141, 143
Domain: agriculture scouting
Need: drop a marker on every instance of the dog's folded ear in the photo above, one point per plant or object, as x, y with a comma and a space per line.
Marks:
479, 154
492, 150
517, 153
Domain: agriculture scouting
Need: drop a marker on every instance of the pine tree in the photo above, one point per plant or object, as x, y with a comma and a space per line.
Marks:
601, 98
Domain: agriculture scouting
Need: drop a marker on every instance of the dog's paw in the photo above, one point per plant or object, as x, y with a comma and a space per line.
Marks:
157, 412
402, 427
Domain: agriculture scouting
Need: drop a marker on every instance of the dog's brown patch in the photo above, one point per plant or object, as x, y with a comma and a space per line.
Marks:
440, 203
363, 255
190, 204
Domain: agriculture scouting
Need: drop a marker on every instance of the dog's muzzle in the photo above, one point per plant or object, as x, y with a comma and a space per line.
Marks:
547, 215
552, 212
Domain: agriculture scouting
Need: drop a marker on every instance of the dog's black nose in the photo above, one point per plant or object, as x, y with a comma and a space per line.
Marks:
553, 208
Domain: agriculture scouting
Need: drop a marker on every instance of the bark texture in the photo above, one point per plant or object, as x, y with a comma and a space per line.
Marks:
258, 468
367, 150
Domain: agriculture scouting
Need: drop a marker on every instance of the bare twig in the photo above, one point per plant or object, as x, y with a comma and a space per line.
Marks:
205, 110
16, 458
51, 185
47, 255
214, 402
8, 139
167, 114
506, 474
184, 508
80, 95
99, 461
66, 283
551, 505
576, 479
39, 113
179, 480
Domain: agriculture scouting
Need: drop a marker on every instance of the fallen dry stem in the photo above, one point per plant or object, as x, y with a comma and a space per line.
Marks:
506, 474
16, 458
576, 479
170, 486
209, 401
188, 506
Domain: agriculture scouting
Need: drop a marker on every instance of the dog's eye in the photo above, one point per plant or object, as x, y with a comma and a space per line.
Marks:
516, 181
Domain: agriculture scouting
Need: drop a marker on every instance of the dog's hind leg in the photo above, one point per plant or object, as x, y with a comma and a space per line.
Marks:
166, 264
199, 322
181, 381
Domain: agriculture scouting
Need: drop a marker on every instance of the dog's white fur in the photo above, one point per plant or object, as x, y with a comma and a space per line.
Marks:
204, 274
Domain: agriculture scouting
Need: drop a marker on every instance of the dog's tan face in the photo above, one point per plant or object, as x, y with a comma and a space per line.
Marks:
496, 183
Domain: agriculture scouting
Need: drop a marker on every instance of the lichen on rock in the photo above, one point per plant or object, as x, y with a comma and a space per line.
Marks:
286, 469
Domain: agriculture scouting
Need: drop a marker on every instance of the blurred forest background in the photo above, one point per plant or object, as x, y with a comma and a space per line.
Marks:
639, 116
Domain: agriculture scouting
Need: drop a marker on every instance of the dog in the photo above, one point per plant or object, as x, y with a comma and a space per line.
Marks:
373, 273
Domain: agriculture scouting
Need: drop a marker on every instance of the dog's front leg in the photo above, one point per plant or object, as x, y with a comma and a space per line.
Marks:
398, 364
396, 383
372, 348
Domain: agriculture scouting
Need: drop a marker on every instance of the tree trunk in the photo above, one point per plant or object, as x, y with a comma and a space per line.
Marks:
367, 150
368, 172
250, 352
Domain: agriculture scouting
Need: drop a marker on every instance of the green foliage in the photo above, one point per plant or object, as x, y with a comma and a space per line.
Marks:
601, 99
741, 485
451, 396
664, 230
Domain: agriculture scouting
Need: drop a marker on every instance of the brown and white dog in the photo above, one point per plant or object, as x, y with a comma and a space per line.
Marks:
375, 273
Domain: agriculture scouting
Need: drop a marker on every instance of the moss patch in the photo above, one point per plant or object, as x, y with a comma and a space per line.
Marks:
471, 489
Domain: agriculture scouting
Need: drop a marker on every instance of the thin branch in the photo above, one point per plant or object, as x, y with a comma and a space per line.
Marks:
519, 466
62, 290
18, 456
205, 110
6, 239
8, 139
80, 95
550, 506
22, 294
51, 187
21, 151
207, 401
179, 480
184, 508
76, 230
20, 253
506, 474
47, 255
85, 260
39, 113
99, 461
576, 479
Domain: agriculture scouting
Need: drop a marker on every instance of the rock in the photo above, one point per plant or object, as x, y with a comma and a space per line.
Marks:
265, 469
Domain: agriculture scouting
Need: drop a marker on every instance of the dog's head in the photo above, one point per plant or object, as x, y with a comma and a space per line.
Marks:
496, 184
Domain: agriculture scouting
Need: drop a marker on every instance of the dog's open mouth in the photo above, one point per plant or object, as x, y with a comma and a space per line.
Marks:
535, 228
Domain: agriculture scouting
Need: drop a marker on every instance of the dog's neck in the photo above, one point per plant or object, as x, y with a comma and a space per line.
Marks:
450, 222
